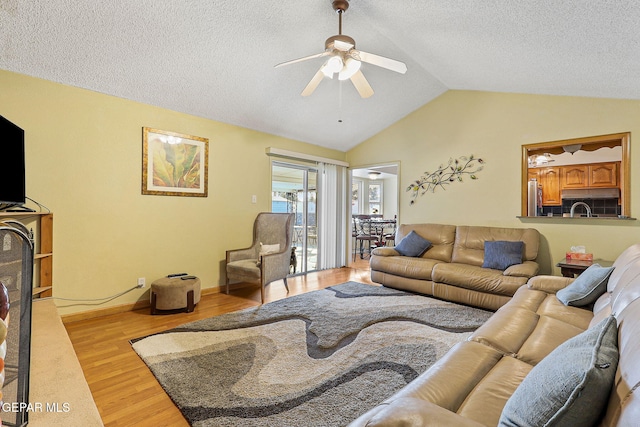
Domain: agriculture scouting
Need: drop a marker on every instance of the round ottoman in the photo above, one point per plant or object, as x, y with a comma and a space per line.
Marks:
174, 293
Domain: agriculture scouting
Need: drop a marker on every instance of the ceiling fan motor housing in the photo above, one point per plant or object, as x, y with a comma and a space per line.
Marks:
329, 44
340, 5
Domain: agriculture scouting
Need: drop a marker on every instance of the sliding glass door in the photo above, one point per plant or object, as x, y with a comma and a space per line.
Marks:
294, 189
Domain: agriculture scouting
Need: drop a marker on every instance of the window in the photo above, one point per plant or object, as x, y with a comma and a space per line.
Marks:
356, 200
375, 198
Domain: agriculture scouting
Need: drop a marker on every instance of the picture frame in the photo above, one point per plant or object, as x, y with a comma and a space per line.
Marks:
174, 164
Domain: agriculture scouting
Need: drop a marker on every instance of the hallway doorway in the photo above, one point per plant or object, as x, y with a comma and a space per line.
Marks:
374, 192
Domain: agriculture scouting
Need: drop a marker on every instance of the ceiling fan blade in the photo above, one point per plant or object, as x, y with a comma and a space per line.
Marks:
381, 61
317, 55
313, 84
362, 85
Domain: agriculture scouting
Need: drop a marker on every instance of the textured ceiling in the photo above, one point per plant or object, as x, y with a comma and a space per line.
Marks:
215, 59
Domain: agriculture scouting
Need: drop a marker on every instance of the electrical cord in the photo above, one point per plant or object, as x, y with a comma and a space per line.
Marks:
90, 301
40, 205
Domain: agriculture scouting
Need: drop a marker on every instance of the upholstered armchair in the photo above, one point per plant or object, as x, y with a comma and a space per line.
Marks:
268, 257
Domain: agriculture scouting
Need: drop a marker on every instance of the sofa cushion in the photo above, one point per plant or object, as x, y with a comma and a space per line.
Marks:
413, 245
469, 243
526, 269
501, 254
441, 237
587, 288
569, 387
409, 267
477, 278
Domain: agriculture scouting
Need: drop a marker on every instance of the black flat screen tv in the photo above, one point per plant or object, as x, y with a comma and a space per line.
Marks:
12, 176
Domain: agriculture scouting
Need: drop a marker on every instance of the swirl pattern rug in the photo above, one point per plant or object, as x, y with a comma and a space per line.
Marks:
317, 359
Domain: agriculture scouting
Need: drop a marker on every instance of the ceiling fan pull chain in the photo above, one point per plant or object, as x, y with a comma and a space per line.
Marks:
339, 101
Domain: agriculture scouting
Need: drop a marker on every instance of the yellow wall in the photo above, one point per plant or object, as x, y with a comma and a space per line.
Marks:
493, 126
84, 160
84, 156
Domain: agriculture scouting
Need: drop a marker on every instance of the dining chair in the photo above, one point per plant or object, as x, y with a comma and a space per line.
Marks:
389, 234
363, 233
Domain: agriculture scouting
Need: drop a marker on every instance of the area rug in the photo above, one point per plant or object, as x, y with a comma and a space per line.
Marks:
317, 359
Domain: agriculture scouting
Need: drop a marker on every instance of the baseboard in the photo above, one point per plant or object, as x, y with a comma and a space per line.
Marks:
138, 305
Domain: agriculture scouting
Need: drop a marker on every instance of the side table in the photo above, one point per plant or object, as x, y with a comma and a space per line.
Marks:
574, 267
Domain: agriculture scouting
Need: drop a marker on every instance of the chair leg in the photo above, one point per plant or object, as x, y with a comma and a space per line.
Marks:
285, 284
262, 294
227, 283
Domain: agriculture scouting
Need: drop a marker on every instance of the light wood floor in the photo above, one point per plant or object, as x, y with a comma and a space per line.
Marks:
122, 386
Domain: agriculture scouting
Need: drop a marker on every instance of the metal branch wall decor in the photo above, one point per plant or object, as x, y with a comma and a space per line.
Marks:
453, 171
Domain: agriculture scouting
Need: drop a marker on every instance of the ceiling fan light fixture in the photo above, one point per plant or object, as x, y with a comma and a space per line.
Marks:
344, 59
540, 159
351, 66
332, 66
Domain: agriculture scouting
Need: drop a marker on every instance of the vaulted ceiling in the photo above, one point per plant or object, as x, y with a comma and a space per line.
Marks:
215, 59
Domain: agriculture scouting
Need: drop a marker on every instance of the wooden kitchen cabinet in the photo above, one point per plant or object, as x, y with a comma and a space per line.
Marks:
603, 175
596, 175
574, 176
549, 179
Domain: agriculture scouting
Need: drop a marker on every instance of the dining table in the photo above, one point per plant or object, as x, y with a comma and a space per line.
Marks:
376, 227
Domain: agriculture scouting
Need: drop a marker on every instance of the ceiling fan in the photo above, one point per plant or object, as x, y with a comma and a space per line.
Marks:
345, 60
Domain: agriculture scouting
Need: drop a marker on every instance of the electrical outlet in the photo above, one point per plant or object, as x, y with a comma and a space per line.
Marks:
141, 282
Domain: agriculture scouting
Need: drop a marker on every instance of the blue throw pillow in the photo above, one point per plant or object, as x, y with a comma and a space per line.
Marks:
501, 254
413, 245
587, 288
569, 387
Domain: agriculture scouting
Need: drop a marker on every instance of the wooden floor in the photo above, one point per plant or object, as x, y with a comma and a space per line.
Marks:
122, 386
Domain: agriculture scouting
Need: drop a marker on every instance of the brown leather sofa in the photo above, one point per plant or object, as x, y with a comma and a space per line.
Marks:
452, 269
470, 385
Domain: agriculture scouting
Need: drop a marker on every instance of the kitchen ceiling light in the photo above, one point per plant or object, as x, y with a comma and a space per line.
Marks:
571, 148
374, 175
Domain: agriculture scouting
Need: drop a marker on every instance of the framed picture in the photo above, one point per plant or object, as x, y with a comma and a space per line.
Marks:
174, 164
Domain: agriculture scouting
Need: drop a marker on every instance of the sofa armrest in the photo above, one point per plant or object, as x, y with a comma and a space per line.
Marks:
409, 411
385, 251
526, 269
549, 284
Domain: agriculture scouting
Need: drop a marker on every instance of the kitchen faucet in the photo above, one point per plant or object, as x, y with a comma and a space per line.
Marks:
573, 208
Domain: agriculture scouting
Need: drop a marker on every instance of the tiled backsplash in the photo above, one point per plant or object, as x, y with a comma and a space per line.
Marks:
608, 207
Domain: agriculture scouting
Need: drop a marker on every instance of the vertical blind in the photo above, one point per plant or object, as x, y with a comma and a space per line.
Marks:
332, 192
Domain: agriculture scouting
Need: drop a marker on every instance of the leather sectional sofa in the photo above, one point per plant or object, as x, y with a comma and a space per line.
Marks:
452, 269
472, 383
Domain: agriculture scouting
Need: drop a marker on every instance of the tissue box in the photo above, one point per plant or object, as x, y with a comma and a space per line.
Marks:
579, 256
